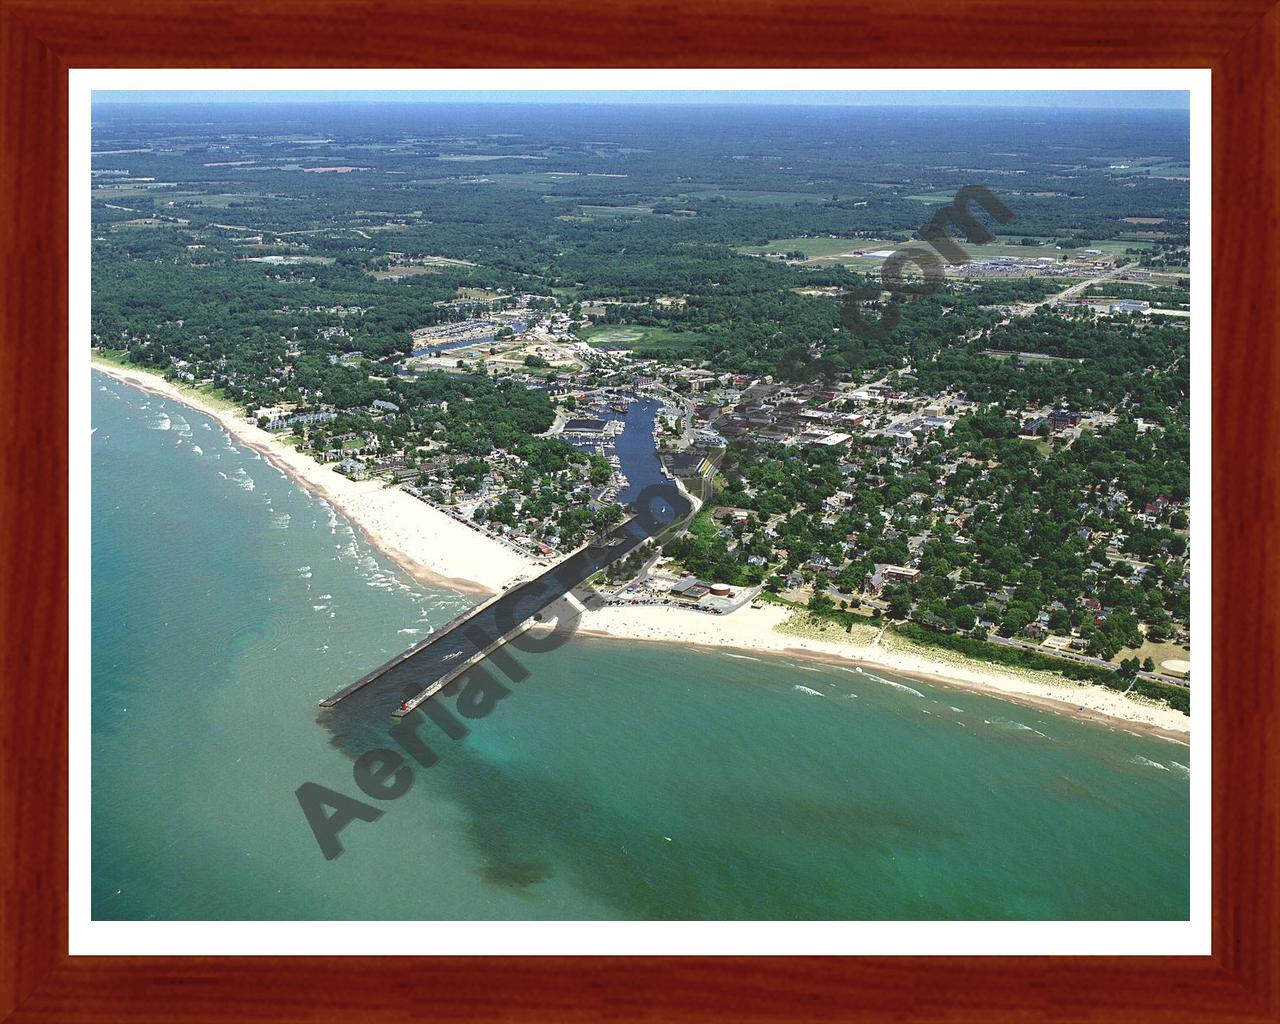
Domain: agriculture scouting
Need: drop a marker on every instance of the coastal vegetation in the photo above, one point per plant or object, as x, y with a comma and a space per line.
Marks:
433, 302
1125, 678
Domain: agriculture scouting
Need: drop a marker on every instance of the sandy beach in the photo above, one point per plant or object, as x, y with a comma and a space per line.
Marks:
436, 549
431, 546
775, 629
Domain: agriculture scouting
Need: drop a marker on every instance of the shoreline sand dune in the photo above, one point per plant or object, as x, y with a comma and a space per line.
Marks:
438, 550
431, 546
757, 629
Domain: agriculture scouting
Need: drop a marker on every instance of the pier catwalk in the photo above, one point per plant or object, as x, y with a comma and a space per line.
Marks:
418, 673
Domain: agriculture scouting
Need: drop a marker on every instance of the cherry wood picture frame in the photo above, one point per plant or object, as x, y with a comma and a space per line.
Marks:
41, 39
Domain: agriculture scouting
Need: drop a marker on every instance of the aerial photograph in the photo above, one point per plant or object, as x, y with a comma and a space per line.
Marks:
642, 506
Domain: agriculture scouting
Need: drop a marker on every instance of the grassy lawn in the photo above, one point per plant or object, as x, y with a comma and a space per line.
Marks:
703, 526
645, 341
1156, 652
1043, 445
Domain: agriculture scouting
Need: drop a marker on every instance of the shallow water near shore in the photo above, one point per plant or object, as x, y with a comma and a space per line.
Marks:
617, 781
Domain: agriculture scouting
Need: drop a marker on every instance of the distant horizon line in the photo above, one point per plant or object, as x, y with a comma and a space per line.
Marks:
1134, 100
587, 103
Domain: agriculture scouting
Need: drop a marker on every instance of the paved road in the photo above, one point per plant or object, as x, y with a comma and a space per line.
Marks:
1082, 659
1076, 289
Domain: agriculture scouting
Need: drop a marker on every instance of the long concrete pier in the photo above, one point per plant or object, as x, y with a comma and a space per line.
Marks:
417, 674
412, 652
420, 672
407, 706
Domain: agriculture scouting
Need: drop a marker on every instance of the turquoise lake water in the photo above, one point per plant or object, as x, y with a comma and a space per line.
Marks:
621, 781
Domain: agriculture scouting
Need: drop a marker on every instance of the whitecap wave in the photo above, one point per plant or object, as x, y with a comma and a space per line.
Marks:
897, 686
1004, 723
1147, 762
805, 689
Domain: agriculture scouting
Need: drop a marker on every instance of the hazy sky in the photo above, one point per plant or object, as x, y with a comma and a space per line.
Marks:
1119, 99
